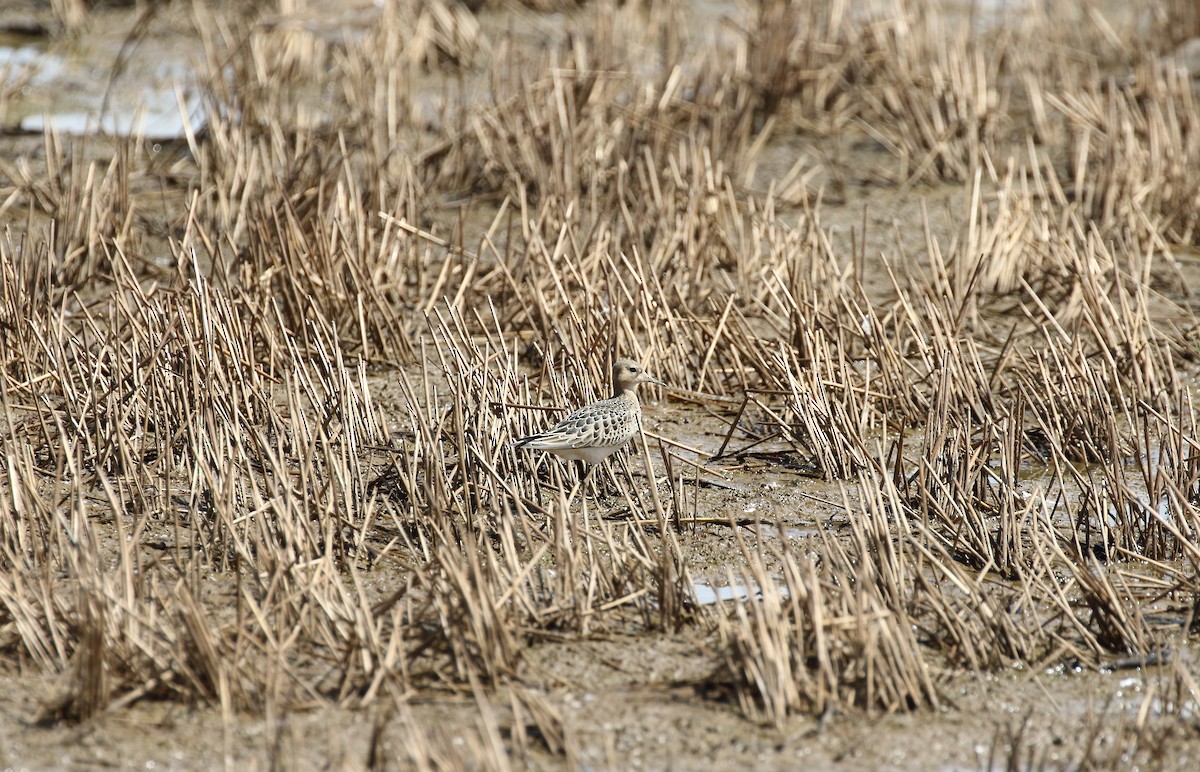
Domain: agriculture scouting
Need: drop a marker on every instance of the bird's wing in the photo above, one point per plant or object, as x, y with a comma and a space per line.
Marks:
600, 423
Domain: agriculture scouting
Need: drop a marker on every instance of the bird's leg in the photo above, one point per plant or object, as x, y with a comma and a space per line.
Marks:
581, 474
618, 468
584, 473
586, 524
589, 470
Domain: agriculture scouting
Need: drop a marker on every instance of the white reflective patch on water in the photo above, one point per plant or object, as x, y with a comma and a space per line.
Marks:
707, 594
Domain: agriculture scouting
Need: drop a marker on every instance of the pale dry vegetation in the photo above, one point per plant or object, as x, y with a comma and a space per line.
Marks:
206, 499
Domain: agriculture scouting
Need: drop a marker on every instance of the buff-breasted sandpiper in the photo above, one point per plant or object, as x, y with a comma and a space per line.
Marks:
593, 433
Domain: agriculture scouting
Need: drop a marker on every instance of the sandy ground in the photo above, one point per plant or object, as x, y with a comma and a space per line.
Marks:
626, 702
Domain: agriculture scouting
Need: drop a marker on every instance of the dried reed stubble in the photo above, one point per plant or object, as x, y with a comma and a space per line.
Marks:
230, 408
801, 60
825, 410
827, 636
1172, 22
170, 381
934, 98
1134, 148
91, 214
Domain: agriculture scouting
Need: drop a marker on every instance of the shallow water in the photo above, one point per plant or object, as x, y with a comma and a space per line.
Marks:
71, 88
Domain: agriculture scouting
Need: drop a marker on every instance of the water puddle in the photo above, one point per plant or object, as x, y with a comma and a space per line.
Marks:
156, 116
708, 594
790, 533
156, 99
17, 53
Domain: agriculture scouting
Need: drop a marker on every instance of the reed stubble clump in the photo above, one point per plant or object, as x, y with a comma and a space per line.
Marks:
259, 399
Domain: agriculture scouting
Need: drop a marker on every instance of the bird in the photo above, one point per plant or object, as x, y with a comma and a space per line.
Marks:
596, 431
